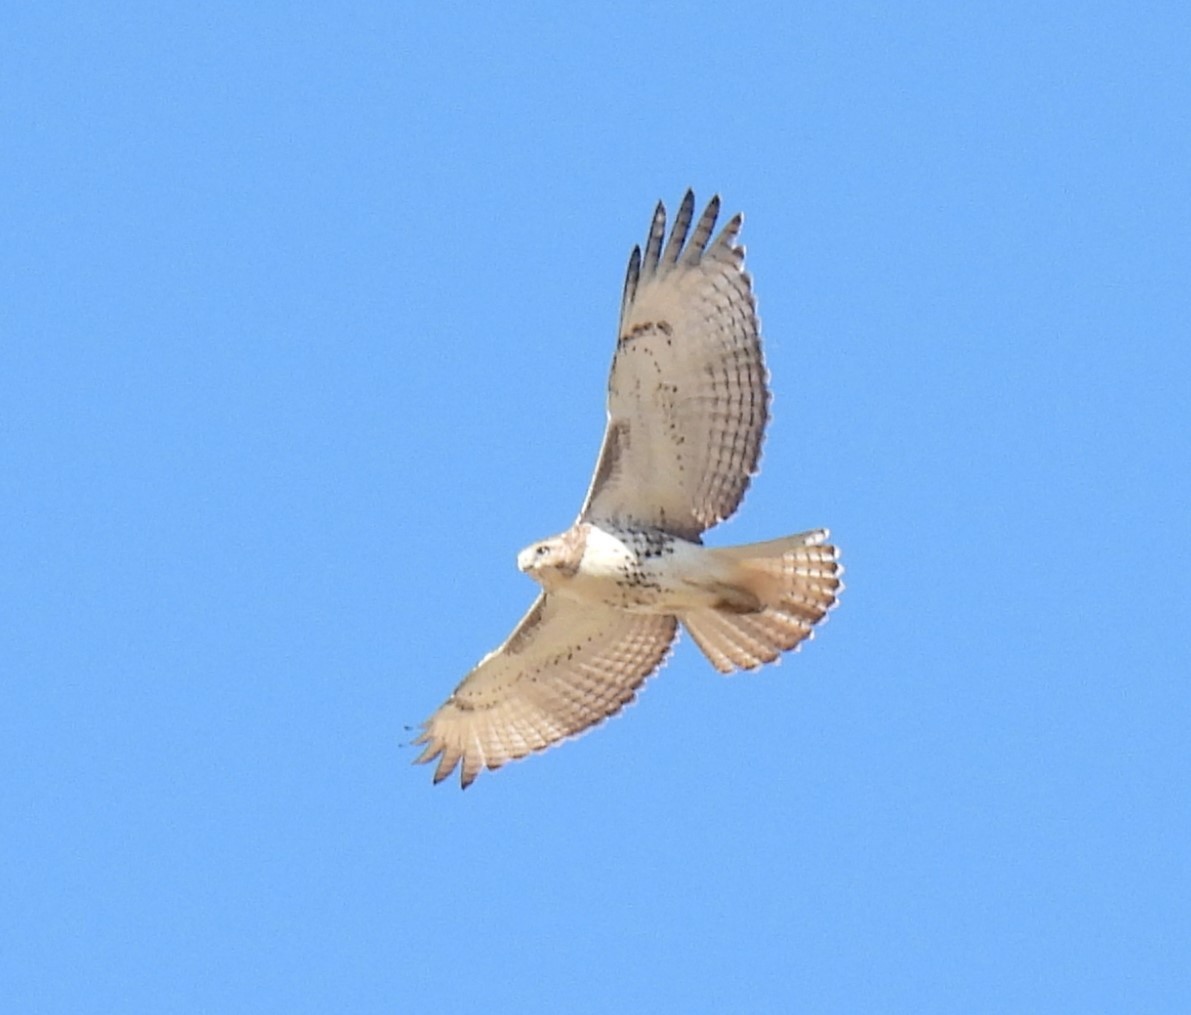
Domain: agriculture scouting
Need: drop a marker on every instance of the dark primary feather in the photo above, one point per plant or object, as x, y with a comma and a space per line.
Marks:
703, 230
682, 222
653, 245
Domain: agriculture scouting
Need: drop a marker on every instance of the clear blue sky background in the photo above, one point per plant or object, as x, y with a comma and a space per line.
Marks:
305, 318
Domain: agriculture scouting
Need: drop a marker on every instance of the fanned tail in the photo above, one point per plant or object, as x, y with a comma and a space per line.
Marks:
795, 581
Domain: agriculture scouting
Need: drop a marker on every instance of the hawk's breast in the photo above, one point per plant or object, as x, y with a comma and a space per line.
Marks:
631, 569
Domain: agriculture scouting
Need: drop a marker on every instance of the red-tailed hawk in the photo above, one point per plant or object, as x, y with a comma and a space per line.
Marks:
687, 407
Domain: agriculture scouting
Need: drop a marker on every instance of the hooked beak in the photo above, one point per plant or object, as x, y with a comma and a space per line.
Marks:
525, 560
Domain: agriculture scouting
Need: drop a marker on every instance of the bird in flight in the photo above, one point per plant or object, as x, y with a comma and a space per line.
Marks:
687, 406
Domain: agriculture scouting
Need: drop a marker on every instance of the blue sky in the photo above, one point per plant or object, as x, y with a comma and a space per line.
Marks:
305, 322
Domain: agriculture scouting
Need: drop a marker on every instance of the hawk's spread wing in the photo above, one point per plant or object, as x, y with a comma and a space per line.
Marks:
566, 667
687, 398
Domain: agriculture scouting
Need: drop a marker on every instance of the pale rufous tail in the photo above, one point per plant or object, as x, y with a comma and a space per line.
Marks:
794, 581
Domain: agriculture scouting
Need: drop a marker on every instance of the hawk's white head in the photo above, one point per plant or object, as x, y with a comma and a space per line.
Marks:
553, 560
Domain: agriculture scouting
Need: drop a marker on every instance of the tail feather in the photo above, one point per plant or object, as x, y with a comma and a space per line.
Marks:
796, 580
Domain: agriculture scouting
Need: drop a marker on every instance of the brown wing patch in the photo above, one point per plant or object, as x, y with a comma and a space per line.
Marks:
612, 454
647, 328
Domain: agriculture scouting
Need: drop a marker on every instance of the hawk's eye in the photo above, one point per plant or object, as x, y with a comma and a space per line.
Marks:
540, 551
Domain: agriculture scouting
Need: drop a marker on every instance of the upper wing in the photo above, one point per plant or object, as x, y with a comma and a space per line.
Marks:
565, 667
687, 398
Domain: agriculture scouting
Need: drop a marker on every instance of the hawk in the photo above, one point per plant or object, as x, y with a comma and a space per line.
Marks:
687, 406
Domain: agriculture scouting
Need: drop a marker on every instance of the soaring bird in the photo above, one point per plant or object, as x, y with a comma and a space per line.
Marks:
688, 401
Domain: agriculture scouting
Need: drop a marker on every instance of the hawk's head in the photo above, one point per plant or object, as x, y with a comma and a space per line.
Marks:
553, 560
